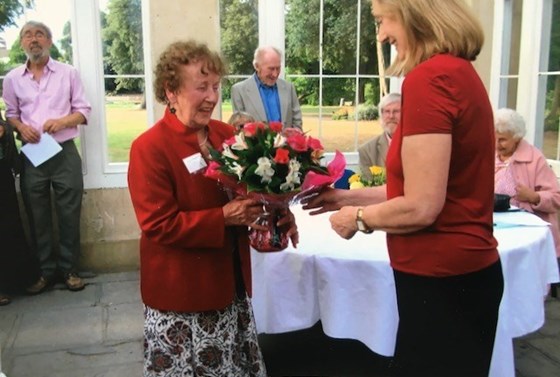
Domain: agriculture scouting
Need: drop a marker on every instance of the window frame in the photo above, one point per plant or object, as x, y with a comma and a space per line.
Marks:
99, 172
531, 93
533, 62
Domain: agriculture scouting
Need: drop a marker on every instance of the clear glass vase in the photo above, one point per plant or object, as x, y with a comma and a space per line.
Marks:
274, 238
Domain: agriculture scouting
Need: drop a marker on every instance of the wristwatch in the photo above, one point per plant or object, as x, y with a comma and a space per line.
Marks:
362, 227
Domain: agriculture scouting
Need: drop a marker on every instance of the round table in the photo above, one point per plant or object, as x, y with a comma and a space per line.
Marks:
348, 284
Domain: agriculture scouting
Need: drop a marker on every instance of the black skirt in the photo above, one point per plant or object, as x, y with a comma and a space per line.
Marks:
19, 267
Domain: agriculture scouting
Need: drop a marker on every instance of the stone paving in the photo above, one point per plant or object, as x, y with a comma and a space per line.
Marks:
98, 333
94, 332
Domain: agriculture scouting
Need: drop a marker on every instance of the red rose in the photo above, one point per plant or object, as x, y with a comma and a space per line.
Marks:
251, 129
275, 126
282, 156
298, 142
230, 141
291, 131
314, 144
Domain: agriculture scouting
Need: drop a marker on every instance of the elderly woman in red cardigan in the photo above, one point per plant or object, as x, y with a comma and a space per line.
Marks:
195, 268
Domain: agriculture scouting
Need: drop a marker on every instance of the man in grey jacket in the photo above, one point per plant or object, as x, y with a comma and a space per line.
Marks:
266, 96
374, 151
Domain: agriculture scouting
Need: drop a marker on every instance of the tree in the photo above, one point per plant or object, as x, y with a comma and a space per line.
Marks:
17, 55
339, 46
123, 36
66, 43
553, 87
239, 37
10, 10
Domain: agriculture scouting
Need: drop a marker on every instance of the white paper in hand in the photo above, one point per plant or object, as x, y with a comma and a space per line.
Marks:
40, 152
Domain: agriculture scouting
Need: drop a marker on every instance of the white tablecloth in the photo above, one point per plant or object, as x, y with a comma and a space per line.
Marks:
349, 286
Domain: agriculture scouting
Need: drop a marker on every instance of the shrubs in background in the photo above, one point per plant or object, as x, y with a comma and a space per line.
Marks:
365, 112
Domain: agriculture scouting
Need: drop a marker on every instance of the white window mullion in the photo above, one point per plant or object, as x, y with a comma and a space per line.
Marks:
148, 71
88, 60
530, 97
272, 27
501, 43
321, 77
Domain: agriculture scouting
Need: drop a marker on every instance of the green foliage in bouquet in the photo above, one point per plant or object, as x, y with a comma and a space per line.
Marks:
268, 159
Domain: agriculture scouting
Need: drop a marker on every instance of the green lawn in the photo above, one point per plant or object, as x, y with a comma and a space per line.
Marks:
125, 121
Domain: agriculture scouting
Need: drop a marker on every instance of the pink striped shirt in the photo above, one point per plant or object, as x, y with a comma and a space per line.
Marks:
58, 93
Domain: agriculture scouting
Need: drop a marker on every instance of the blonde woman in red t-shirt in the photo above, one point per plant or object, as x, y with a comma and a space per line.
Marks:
438, 204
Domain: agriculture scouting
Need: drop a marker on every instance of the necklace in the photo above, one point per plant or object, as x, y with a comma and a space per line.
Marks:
205, 140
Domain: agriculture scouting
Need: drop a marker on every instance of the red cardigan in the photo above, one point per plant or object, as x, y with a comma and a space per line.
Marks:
186, 251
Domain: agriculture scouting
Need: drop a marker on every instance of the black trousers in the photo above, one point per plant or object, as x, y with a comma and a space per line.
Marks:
447, 325
18, 266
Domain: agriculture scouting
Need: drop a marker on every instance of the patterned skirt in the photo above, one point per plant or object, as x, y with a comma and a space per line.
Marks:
215, 343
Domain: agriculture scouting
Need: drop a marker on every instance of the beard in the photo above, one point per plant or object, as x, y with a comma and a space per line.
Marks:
37, 56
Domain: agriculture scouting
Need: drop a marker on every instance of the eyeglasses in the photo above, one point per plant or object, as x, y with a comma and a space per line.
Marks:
390, 112
37, 35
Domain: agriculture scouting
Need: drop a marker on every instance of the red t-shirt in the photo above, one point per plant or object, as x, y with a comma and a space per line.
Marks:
445, 95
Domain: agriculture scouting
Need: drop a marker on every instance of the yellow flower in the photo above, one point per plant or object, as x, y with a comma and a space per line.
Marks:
376, 170
356, 185
378, 178
354, 178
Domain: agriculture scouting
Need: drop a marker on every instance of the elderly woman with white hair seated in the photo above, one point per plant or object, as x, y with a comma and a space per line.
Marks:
523, 173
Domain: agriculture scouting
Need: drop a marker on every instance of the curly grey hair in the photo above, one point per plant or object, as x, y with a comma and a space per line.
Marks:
508, 120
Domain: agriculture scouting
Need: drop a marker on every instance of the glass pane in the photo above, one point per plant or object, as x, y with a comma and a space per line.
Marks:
339, 36
551, 119
552, 99
126, 119
11, 53
123, 67
333, 121
302, 36
42, 11
515, 37
509, 91
227, 83
368, 39
239, 35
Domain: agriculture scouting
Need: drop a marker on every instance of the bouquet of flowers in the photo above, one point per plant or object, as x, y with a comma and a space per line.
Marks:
358, 181
277, 166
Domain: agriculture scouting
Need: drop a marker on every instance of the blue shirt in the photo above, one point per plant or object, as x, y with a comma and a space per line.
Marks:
270, 99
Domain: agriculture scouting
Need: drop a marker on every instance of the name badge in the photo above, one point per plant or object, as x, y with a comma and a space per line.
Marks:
194, 163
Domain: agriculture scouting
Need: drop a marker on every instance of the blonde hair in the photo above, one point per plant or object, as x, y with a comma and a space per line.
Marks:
168, 73
434, 27
239, 118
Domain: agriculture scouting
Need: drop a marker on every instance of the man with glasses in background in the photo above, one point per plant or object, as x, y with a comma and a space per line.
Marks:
44, 96
374, 151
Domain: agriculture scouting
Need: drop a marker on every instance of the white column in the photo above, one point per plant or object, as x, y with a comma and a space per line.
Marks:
272, 26
535, 40
88, 60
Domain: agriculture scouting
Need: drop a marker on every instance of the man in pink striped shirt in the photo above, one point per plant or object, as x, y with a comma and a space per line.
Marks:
46, 96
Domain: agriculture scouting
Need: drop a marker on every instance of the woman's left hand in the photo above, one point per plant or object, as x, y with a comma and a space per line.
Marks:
288, 221
343, 222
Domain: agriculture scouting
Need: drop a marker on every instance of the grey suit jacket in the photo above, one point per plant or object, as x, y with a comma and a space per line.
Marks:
373, 152
245, 96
